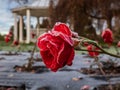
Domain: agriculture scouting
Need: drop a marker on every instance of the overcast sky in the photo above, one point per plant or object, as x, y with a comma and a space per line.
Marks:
6, 17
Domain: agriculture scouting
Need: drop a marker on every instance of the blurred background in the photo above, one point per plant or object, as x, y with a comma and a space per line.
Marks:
87, 17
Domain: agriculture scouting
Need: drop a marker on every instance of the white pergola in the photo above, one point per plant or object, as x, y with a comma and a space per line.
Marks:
28, 11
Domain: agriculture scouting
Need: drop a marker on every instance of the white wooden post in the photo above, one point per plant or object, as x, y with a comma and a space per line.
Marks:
38, 26
21, 30
15, 27
28, 26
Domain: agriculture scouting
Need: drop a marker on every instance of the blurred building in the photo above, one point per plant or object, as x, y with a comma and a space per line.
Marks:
37, 9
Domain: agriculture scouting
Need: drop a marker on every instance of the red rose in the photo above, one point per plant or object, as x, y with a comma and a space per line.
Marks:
92, 48
15, 43
7, 38
56, 49
118, 44
107, 36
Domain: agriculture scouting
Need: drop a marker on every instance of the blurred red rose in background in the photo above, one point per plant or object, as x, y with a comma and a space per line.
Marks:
7, 38
91, 50
15, 43
118, 44
56, 47
107, 36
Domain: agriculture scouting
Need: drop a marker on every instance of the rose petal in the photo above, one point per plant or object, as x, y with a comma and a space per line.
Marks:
63, 28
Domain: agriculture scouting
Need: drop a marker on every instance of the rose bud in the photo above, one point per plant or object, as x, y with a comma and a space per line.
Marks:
107, 36
91, 50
